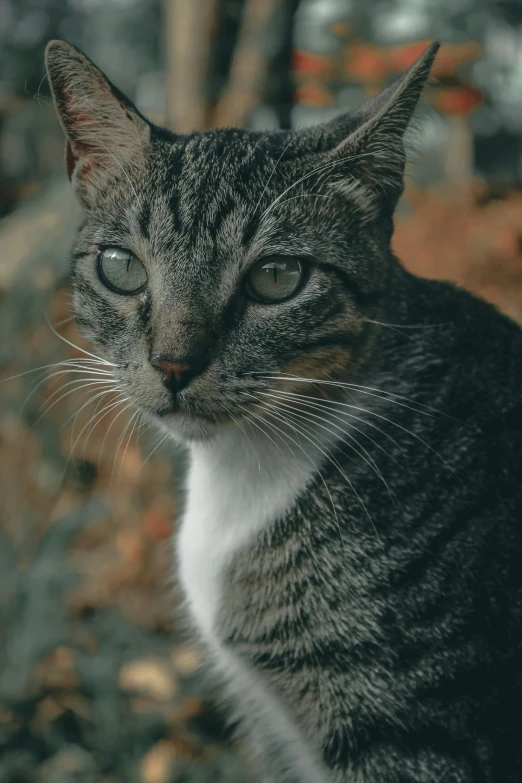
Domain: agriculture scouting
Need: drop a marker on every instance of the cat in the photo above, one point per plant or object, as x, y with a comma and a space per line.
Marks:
350, 549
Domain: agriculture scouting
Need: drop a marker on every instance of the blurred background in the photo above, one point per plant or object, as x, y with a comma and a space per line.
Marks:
99, 683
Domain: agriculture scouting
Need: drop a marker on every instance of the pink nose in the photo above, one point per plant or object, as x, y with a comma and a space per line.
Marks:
175, 374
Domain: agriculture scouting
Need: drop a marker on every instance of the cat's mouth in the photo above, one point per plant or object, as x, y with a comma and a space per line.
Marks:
190, 425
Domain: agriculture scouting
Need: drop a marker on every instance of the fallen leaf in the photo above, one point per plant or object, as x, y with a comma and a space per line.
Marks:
186, 660
152, 676
156, 766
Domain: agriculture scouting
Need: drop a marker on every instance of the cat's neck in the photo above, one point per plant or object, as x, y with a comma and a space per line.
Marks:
238, 485
266, 463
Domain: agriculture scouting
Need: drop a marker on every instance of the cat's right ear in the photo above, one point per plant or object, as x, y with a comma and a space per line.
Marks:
106, 135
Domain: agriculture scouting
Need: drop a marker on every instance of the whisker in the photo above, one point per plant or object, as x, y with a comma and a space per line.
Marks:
143, 427
337, 464
156, 447
77, 347
365, 456
408, 326
323, 405
272, 173
304, 195
64, 363
48, 408
259, 418
75, 382
399, 426
319, 473
65, 321
113, 422
109, 389
92, 417
105, 410
135, 418
369, 390
71, 450
243, 431
323, 167
56, 375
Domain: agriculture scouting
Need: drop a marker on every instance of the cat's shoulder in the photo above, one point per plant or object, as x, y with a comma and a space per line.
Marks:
469, 343
463, 316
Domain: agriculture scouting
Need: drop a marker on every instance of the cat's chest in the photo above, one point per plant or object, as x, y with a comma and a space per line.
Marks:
231, 499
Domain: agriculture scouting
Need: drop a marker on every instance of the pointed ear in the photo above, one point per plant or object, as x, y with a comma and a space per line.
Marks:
372, 140
105, 133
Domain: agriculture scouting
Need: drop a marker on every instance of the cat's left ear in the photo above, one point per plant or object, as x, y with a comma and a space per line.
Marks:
106, 135
371, 141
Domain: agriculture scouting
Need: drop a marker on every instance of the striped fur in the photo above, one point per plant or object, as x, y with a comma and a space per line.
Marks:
351, 546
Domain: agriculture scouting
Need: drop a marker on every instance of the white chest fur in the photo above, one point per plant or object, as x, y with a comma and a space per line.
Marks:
234, 492
236, 488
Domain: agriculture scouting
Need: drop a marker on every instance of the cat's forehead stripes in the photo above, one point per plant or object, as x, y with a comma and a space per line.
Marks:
201, 199
215, 177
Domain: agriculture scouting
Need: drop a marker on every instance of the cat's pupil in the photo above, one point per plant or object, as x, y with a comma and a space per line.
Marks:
274, 280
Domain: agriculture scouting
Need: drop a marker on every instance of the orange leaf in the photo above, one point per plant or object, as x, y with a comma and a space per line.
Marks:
314, 95
366, 63
451, 56
156, 765
458, 100
405, 56
310, 64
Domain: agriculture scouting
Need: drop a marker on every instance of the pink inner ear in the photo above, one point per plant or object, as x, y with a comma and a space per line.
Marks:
78, 122
75, 150
72, 163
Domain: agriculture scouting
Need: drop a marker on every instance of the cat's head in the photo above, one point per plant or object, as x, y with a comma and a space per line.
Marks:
211, 267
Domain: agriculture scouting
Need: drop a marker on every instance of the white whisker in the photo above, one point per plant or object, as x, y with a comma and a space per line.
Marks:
365, 456
326, 403
336, 464
105, 411
77, 347
134, 418
48, 407
109, 389
272, 173
97, 414
325, 166
394, 424
111, 425
369, 390
319, 473
156, 447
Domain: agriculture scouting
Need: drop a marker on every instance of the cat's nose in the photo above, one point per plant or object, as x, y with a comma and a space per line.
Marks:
177, 372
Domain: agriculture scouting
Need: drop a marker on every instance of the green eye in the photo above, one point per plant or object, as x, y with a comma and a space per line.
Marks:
121, 271
274, 279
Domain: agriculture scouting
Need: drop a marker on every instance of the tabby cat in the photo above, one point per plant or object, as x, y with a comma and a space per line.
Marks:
351, 546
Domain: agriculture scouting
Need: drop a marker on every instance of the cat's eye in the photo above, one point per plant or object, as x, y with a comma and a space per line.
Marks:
122, 271
274, 279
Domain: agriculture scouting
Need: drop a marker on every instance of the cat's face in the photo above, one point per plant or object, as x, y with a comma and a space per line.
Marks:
232, 290
213, 268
